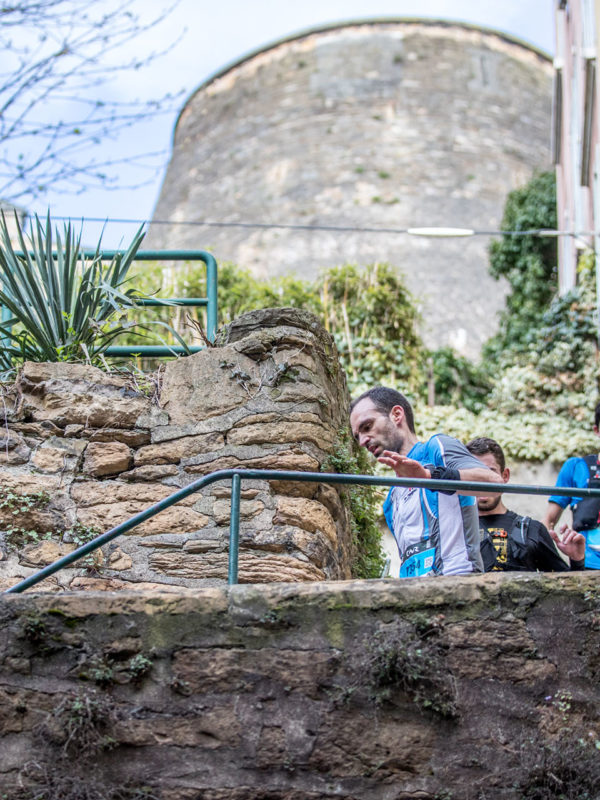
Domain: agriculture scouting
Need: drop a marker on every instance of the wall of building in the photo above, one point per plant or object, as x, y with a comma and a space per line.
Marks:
390, 125
577, 149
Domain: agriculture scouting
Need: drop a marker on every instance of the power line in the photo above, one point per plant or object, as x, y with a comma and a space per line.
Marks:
431, 231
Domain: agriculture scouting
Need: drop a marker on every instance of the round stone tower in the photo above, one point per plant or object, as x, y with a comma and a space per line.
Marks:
388, 124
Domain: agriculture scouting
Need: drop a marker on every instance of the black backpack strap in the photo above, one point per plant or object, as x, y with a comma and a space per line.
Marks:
520, 529
593, 465
488, 552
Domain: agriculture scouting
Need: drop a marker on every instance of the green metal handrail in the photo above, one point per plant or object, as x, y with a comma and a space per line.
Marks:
237, 475
210, 301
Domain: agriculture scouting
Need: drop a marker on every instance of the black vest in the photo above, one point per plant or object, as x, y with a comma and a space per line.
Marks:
586, 514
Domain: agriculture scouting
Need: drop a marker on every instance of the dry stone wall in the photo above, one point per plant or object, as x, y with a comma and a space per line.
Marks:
467, 688
84, 450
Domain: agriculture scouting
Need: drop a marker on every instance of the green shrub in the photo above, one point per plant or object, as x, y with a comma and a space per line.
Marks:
365, 506
528, 263
368, 311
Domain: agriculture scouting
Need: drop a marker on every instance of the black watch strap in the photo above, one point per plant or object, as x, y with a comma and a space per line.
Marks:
443, 474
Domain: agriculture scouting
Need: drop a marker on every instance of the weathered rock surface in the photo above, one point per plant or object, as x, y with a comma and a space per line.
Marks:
106, 458
450, 687
84, 451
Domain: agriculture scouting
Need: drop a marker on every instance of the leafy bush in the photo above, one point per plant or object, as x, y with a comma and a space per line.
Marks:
365, 506
557, 373
529, 263
374, 321
527, 436
415, 664
368, 311
457, 380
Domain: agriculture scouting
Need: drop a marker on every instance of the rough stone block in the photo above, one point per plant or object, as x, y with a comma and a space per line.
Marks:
308, 514
252, 568
14, 449
171, 452
46, 552
106, 458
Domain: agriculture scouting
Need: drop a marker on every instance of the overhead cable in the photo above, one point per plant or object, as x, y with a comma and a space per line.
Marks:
414, 231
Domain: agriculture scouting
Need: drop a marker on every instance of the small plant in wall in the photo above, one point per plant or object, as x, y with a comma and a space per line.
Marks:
82, 724
19, 503
80, 534
13, 506
138, 667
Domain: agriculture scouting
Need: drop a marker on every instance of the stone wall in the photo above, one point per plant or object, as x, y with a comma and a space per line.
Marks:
84, 450
464, 688
383, 124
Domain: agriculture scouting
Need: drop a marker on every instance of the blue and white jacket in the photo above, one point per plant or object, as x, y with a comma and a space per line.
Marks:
436, 533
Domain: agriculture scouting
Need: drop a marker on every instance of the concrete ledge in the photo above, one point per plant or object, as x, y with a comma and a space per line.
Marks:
378, 689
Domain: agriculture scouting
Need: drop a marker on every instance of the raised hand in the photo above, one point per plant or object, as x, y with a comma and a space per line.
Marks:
403, 467
571, 543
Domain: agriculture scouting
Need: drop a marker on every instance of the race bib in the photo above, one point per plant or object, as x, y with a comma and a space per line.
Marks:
418, 560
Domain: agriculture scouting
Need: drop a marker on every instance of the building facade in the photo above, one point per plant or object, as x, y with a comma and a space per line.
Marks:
576, 145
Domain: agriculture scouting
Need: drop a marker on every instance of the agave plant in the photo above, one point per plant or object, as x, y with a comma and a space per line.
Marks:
63, 306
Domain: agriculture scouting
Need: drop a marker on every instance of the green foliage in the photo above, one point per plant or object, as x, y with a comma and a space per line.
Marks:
529, 263
458, 381
557, 373
17, 504
21, 503
365, 507
369, 312
138, 667
16, 537
564, 764
543, 364
33, 628
102, 671
527, 436
84, 723
238, 291
80, 534
412, 661
64, 308
373, 320
569, 770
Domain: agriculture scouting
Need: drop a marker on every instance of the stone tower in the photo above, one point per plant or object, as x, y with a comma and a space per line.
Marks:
383, 124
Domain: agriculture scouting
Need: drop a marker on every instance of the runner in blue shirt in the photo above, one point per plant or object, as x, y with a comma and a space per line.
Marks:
580, 473
437, 533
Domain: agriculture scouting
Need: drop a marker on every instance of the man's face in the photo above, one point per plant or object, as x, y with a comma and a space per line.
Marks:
490, 502
374, 430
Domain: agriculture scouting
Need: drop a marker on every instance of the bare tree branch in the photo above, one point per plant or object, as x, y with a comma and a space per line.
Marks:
58, 59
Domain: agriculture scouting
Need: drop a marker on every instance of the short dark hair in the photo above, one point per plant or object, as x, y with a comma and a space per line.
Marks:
384, 400
597, 416
483, 445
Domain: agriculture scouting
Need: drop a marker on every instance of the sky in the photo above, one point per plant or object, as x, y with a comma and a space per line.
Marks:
210, 35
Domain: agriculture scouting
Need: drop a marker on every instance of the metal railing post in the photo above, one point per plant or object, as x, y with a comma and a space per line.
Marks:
211, 294
234, 530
